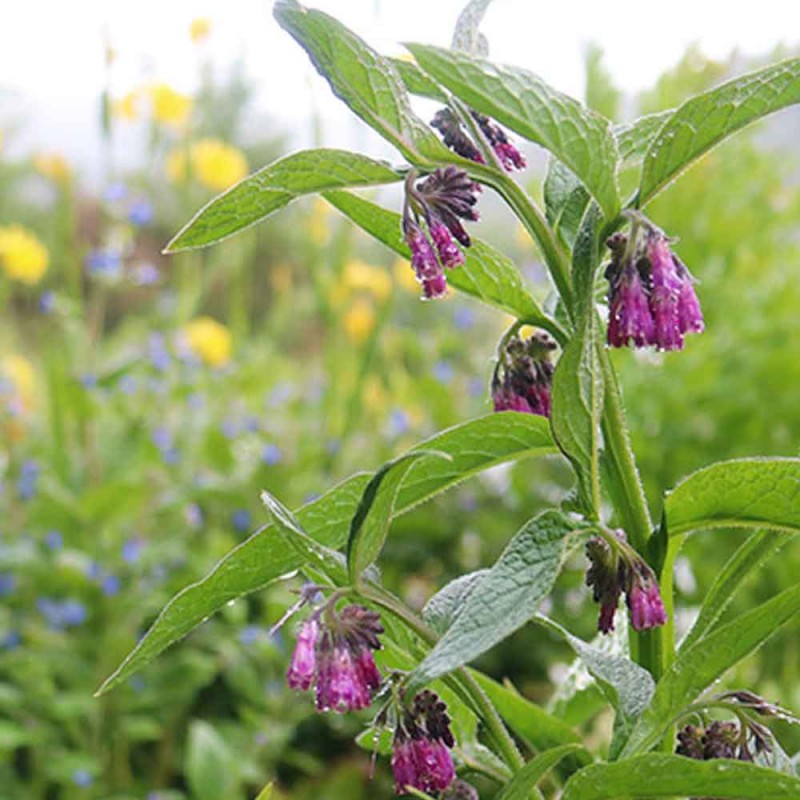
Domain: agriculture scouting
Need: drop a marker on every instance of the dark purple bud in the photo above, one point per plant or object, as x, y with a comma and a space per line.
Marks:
461, 790
507, 153
720, 740
453, 135
304, 660
504, 398
524, 375
690, 742
606, 576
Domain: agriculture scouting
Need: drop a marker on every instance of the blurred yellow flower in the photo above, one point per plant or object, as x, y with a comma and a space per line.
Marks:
18, 380
23, 257
209, 340
404, 275
360, 276
374, 395
280, 278
359, 320
318, 227
215, 164
169, 107
127, 107
199, 29
53, 166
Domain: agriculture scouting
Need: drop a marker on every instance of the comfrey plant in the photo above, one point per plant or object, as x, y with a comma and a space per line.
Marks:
616, 283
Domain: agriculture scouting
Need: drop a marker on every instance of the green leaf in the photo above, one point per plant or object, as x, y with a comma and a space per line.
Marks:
265, 793
565, 200
275, 186
266, 555
634, 138
580, 138
326, 560
585, 258
706, 119
487, 274
524, 781
440, 611
370, 523
628, 687
703, 662
749, 492
467, 36
416, 81
210, 766
507, 597
362, 78
663, 775
758, 547
577, 404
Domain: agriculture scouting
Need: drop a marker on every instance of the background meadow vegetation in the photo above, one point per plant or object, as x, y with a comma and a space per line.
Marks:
145, 401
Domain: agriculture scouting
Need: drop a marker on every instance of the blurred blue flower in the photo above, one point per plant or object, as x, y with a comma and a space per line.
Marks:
443, 371
271, 454
115, 192
230, 428
162, 438
47, 302
137, 683
107, 263
61, 615
10, 640
193, 515
111, 585
158, 353
464, 318
54, 540
127, 384
195, 401
140, 212
82, 777
251, 634
88, 380
28, 478
132, 550
241, 520
146, 274
311, 497
252, 424
333, 446
281, 394
398, 423
477, 387
94, 571
8, 583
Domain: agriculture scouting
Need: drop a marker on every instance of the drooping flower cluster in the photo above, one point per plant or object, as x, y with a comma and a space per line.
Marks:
454, 137
524, 374
651, 296
421, 756
724, 740
614, 570
334, 656
440, 202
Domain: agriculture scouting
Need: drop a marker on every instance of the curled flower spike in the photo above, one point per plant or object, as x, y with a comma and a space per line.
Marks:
454, 137
651, 296
524, 374
441, 201
723, 740
421, 749
614, 569
333, 655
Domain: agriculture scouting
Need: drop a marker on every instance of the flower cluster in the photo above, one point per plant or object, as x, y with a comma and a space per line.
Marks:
441, 201
616, 569
524, 374
454, 137
334, 656
421, 756
724, 740
651, 296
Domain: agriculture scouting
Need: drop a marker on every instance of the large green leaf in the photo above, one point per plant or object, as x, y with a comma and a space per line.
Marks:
266, 555
663, 775
506, 598
577, 405
580, 138
274, 187
524, 781
416, 81
759, 546
362, 78
440, 611
487, 274
749, 492
703, 662
626, 685
370, 523
706, 119
467, 35
634, 138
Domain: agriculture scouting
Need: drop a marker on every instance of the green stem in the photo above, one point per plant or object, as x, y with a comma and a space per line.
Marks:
477, 697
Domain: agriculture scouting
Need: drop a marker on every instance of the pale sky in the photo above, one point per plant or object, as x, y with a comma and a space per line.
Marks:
51, 51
